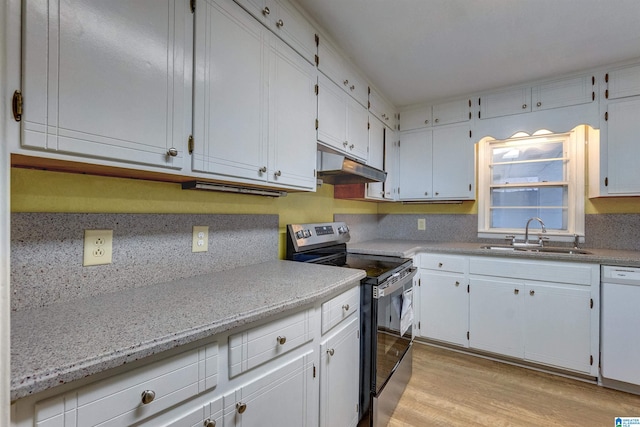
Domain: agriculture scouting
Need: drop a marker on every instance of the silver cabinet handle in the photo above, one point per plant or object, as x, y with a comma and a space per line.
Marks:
172, 152
539, 104
524, 106
209, 423
330, 352
281, 340
516, 291
277, 173
352, 146
345, 143
437, 120
346, 82
262, 169
345, 307
532, 292
266, 11
148, 396
241, 407
426, 122
352, 87
279, 24
457, 283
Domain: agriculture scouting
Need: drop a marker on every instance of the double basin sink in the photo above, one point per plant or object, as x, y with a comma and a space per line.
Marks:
544, 249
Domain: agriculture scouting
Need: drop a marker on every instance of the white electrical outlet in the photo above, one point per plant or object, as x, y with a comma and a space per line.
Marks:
422, 224
200, 241
98, 246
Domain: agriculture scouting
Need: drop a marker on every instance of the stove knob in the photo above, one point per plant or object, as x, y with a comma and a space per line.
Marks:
299, 234
307, 233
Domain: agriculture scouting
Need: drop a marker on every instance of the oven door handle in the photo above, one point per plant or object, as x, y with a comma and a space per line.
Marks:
388, 289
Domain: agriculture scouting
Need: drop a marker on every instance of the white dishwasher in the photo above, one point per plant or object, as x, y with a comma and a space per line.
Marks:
620, 324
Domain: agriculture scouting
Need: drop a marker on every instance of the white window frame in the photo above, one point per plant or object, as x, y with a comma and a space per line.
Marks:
575, 155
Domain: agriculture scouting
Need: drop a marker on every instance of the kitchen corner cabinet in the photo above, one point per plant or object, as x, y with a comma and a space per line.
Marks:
541, 312
107, 81
286, 22
443, 298
437, 164
254, 102
612, 162
342, 122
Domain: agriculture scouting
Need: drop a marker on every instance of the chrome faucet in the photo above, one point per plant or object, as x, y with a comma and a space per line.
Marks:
526, 229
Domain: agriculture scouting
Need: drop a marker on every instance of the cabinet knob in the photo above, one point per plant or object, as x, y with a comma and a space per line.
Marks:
426, 193
330, 352
266, 11
241, 407
352, 146
524, 106
352, 87
262, 169
384, 115
532, 292
426, 122
277, 173
437, 193
148, 396
346, 82
440, 265
279, 24
209, 423
516, 291
457, 283
281, 340
345, 143
437, 120
172, 152
539, 104
345, 307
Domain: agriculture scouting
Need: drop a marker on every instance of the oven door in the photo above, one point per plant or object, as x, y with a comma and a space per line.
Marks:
393, 328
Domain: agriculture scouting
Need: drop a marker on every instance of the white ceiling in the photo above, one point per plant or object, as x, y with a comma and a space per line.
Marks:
419, 50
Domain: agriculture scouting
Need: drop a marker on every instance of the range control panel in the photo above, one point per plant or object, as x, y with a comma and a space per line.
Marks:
306, 236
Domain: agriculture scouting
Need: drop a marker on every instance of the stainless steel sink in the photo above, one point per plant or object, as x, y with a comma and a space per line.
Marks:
548, 249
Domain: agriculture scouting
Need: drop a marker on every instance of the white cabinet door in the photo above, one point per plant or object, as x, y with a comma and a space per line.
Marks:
230, 99
339, 377
495, 316
381, 108
623, 148
286, 396
292, 113
391, 152
337, 69
557, 325
376, 159
415, 165
444, 307
563, 93
332, 114
415, 118
452, 112
623, 82
453, 163
357, 130
108, 80
506, 102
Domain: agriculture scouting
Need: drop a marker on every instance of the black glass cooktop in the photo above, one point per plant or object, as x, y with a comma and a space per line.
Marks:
375, 266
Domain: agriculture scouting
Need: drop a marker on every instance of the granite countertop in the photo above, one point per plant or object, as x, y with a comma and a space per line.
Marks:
407, 248
60, 343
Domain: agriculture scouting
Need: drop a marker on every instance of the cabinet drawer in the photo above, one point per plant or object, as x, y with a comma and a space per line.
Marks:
339, 308
558, 272
258, 345
117, 401
452, 263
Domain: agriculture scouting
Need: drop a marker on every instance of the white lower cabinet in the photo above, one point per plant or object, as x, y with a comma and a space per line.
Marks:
291, 370
339, 376
286, 396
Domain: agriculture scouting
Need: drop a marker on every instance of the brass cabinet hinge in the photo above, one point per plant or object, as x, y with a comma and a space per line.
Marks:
368, 90
479, 101
591, 303
593, 96
419, 326
317, 38
193, 6
606, 78
419, 282
317, 61
467, 335
606, 181
470, 115
190, 144
591, 360
469, 103
479, 114
317, 89
317, 124
469, 187
314, 371
606, 94
368, 125
470, 132
368, 105
468, 286
17, 105
606, 116
593, 80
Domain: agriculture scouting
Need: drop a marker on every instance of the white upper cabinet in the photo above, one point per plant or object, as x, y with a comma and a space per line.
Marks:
285, 21
254, 102
415, 118
108, 80
415, 179
342, 122
334, 66
623, 82
452, 112
375, 190
564, 92
504, 103
381, 109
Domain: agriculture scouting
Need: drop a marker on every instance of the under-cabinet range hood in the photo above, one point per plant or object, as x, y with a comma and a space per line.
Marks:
335, 168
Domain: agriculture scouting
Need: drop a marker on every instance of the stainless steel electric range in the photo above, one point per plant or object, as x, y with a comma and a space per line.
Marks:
385, 312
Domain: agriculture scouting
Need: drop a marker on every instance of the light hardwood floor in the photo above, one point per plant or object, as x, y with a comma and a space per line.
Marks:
452, 389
